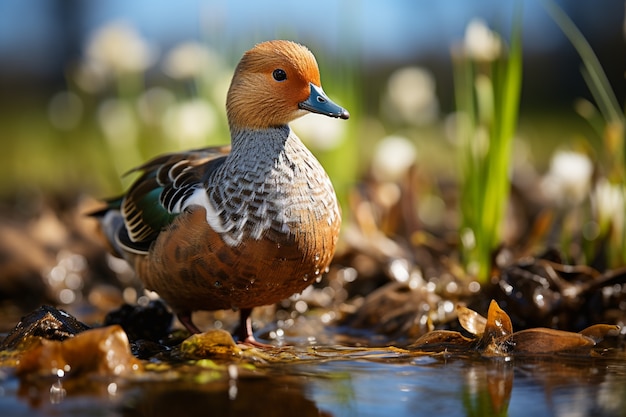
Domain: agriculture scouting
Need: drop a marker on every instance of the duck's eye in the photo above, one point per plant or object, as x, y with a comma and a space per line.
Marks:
279, 74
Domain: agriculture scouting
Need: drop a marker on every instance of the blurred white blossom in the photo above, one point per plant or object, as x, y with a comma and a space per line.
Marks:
91, 76
480, 42
153, 104
117, 121
608, 204
410, 96
568, 180
119, 48
319, 132
431, 210
190, 123
190, 60
393, 156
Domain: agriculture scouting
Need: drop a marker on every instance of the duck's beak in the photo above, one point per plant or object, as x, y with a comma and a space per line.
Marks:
318, 102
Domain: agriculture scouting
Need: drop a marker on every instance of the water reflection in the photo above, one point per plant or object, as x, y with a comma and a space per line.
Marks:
278, 396
334, 382
475, 387
487, 390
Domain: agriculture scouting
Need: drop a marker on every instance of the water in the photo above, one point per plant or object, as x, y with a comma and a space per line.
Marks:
342, 382
473, 388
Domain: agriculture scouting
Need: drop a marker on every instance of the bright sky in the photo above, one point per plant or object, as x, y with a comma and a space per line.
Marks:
379, 30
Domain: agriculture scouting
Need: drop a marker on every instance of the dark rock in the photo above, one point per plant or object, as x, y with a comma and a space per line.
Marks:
46, 322
146, 349
151, 322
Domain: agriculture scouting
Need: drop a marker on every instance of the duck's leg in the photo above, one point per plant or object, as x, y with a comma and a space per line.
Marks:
244, 332
185, 319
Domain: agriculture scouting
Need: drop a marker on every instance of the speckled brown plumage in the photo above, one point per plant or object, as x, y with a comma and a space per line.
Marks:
244, 226
256, 273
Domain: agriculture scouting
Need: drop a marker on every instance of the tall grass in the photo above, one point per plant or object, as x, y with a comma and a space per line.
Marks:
487, 99
609, 194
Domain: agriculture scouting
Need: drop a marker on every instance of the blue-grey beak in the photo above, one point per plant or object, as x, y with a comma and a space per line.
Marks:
318, 102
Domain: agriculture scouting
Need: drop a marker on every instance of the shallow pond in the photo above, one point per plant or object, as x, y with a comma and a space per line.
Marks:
335, 381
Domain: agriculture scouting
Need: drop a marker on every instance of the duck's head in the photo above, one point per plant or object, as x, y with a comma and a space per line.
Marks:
274, 83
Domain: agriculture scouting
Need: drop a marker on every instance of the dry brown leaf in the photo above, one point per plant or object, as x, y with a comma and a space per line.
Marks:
498, 322
471, 320
542, 340
597, 332
442, 339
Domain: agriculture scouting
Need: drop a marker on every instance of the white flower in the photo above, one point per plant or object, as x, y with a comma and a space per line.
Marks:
480, 42
608, 204
191, 60
120, 48
91, 76
119, 125
410, 96
117, 121
431, 210
569, 179
190, 123
393, 156
153, 104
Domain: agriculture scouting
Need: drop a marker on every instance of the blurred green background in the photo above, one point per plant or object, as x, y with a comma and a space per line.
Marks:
89, 90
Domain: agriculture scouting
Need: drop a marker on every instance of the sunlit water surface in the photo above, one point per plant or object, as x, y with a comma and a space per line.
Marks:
340, 382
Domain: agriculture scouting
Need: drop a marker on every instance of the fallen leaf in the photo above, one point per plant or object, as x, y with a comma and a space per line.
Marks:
438, 340
498, 322
597, 332
541, 340
471, 320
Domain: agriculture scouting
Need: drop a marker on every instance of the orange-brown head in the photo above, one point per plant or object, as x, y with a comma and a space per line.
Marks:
274, 83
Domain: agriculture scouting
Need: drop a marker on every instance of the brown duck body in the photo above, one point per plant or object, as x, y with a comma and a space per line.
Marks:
271, 229
240, 226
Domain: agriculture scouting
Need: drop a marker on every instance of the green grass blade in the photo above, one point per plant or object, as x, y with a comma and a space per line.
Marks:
606, 98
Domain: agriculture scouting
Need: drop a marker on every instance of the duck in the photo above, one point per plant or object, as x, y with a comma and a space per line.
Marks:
241, 225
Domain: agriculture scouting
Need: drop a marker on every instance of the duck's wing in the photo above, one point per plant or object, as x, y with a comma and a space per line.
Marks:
158, 195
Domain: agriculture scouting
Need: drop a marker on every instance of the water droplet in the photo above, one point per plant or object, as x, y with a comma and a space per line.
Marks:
317, 257
301, 306
305, 278
278, 246
217, 284
112, 388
